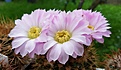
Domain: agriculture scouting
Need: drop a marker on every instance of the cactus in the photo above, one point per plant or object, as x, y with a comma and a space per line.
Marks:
114, 61
87, 61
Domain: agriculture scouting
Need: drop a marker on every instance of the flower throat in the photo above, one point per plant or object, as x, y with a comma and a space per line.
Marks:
62, 36
34, 32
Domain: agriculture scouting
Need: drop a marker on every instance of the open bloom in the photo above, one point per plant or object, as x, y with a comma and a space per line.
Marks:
97, 24
28, 30
65, 37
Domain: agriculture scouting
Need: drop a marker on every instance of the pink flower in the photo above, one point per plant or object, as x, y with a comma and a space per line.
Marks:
97, 24
28, 30
65, 37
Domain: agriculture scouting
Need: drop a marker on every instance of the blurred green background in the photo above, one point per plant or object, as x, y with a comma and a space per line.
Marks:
17, 8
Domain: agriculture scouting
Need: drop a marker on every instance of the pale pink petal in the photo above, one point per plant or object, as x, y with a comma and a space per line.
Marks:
55, 52
82, 24
49, 44
97, 35
68, 47
43, 52
21, 49
50, 33
47, 56
74, 55
100, 40
62, 20
82, 28
95, 19
30, 20
43, 19
103, 29
102, 26
74, 21
81, 31
78, 49
27, 20
36, 16
88, 40
63, 57
50, 38
107, 33
56, 23
69, 20
31, 55
79, 38
17, 50
21, 25
59, 21
39, 47
42, 37
17, 32
97, 26
74, 24
17, 42
78, 12
52, 29
30, 45
100, 30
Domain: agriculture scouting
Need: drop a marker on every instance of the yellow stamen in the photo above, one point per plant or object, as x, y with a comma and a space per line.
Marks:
62, 36
91, 27
34, 32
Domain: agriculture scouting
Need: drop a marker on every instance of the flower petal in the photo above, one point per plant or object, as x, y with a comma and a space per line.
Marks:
21, 49
72, 21
97, 35
107, 33
55, 52
63, 57
62, 20
17, 50
31, 55
68, 47
49, 44
47, 56
27, 20
42, 37
30, 45
21, 25
100, 40
39, 47
79, 48
79, 38
74, 55
38, 16
17, 32
17, 42
88, 40
57, 24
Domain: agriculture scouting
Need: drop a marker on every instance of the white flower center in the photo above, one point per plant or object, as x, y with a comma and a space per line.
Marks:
91, 27
34, 32
62, 36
